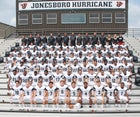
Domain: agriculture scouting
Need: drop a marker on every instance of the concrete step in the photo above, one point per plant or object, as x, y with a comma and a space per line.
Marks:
61, 109
3, 76
3, 86
5, 98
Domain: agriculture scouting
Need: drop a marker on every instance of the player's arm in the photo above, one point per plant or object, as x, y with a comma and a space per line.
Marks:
116, 94
33, 93
8, 84
103, 92
45, 93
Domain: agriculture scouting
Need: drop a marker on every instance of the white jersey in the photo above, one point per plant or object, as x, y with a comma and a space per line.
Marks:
62, 90
51, 91
109, 60
21, 68
90, 59
75, 68
95, 67
14, 77
105, 67
102, 77
16, 90
122, 91
24, 79
40, 91
53, 68
73, 91
84, 68
85, 91
68, 79
80, 79
125, 77
110, 91
42, 67
91, 79
114, 78
100, 60
80, 59
27, 90
98, 90
57, 78
64, 68
35, 79
45, 79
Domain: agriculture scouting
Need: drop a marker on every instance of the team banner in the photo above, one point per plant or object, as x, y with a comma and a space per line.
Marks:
59, 5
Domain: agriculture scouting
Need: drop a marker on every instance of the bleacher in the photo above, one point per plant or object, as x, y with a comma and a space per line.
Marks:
6, 30
134, 104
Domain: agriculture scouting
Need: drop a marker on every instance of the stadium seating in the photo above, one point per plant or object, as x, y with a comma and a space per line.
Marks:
137, 81
1, 59
135, 59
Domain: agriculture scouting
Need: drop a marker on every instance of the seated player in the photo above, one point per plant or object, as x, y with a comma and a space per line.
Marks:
98, 92
75, 94
27, 94
122, 95
16, 92
39, 93
110, 93
13, 76
86, 94
62, 94
50, 96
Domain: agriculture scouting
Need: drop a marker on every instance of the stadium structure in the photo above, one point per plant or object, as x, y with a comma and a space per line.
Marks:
24, 61
77, 16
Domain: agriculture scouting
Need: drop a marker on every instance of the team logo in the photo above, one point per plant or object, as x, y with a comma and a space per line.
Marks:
24, 5
119, 4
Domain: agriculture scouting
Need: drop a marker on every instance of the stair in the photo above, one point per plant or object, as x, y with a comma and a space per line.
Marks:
5, 105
